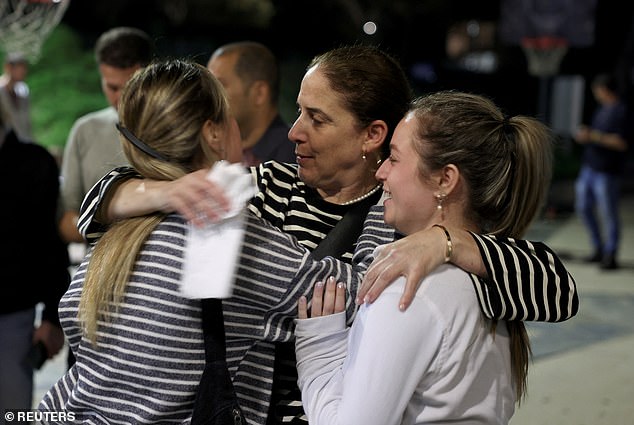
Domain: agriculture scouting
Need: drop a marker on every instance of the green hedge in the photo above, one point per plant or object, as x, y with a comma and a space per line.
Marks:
65, 84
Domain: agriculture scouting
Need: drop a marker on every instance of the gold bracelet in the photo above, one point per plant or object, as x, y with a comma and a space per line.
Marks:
449, 249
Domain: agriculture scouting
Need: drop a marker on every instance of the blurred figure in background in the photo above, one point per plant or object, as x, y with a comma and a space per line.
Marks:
93, 146
598, 186
250, 75
33, 266
14, 94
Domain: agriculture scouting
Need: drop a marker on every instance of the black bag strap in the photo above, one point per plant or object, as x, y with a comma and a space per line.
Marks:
216, 402
346, 231
340, 238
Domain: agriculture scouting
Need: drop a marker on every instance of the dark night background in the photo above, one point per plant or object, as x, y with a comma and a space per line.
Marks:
413, 31
488, 61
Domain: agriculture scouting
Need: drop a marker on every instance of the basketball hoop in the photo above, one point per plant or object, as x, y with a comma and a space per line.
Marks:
544, 54
25, 24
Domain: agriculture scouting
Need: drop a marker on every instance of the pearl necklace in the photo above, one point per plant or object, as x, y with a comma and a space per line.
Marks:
362, 197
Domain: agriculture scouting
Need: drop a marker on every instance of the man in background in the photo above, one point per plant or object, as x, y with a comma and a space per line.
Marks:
14, 94
93, 146
249, 73
598, 185
33, 265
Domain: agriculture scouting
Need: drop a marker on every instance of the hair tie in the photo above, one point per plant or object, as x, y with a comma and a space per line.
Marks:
139, 144
507, 128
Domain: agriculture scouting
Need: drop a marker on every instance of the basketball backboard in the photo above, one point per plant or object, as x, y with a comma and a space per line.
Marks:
572, 20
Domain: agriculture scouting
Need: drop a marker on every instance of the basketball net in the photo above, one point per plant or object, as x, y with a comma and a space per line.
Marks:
544, 54
25, 24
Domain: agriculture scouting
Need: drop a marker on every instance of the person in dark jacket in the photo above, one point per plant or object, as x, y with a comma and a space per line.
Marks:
249, 72
33, 266
598, 185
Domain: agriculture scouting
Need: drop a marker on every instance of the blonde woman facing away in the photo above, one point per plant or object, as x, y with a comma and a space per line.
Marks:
455, 161
138, 342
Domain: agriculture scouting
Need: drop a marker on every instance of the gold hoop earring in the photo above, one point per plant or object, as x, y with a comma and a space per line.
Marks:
440, 198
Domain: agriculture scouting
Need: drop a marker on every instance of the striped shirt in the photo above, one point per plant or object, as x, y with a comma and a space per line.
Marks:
150, 356
528, 281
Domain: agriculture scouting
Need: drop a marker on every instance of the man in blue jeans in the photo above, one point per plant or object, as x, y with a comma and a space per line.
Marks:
599, 182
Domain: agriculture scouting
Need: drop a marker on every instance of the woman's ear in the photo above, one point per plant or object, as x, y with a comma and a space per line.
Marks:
224, 139
448, 178
376, 134
212, 133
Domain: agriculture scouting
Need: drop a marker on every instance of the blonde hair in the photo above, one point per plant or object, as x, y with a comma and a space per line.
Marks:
506, 164
165, 106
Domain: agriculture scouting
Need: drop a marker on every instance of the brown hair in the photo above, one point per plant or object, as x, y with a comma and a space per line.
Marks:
506, 162
124, 47
371, 82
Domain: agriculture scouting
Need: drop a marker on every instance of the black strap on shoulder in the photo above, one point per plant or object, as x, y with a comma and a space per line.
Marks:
346, 231
337, 242
216, 402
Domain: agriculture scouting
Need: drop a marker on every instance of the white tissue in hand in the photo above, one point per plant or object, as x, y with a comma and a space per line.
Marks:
237, 183
212, 251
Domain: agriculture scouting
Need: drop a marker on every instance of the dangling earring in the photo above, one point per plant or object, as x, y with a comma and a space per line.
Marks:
440, 198
363, 155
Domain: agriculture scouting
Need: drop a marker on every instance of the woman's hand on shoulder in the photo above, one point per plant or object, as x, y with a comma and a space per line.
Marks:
413, 257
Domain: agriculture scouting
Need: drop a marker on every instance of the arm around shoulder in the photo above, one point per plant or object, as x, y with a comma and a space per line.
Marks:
92, 220
527, 281
517, 279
